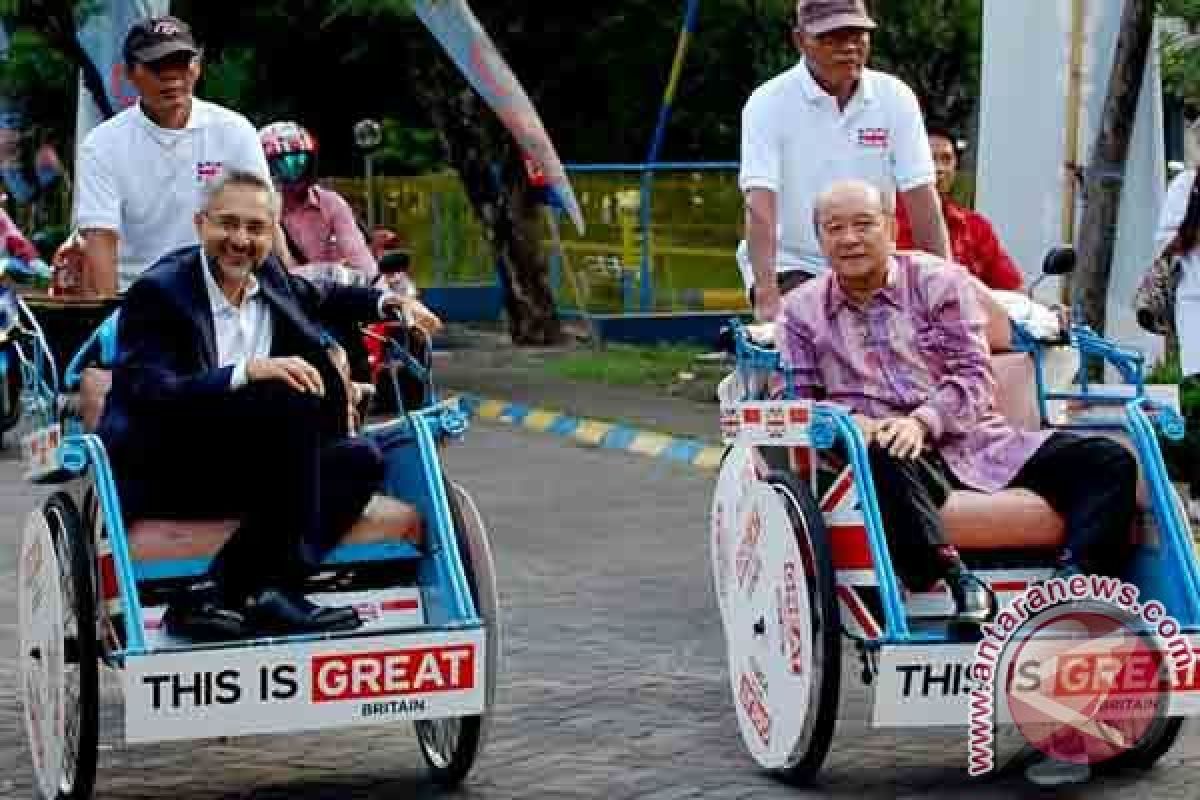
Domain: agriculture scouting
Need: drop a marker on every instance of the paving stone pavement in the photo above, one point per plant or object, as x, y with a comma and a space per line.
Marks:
614, 682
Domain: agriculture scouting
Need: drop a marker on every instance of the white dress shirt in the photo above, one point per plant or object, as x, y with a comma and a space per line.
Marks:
245, 333
242, 333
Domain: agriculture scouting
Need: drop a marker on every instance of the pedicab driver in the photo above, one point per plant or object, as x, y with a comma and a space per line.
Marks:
827, 118
225, 403
142, 173
898, 339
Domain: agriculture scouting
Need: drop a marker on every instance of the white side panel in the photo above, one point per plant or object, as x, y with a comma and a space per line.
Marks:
305, 686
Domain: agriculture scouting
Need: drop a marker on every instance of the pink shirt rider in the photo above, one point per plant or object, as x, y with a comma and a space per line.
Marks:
917, 346
323, 227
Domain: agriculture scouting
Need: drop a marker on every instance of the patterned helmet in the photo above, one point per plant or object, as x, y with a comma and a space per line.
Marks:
286, 137
290, 150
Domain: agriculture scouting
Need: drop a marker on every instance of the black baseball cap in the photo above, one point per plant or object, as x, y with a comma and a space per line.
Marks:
155, 38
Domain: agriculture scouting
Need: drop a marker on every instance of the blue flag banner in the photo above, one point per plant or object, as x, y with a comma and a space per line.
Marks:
468, 45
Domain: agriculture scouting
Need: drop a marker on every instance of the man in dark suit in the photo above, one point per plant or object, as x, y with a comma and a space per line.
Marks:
226, 403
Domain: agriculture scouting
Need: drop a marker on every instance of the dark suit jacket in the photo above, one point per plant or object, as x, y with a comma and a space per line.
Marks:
166, 364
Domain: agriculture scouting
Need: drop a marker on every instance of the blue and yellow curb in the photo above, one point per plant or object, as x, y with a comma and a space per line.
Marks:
594, 433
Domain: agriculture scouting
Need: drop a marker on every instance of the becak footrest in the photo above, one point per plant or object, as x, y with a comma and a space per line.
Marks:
380, 609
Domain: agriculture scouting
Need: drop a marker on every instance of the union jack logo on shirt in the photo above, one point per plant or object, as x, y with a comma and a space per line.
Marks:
208, 170
165, 27
873, 137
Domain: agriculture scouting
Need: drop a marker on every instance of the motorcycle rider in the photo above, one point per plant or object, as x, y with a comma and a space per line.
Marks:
317, 222
320, 235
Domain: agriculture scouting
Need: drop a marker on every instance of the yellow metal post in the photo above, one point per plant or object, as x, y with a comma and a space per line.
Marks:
1071, 161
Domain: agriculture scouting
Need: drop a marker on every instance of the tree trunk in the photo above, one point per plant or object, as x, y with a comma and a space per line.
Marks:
1105, 173
493, 175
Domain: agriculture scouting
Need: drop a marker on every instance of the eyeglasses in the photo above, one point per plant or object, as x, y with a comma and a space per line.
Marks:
232, 223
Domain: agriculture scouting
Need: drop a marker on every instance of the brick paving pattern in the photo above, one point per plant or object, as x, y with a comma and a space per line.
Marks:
614, 684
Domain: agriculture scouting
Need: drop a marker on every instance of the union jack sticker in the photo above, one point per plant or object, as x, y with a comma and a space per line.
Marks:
873, 137
208, 170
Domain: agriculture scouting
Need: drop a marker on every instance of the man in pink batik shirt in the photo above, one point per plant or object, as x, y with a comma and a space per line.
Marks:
899, 341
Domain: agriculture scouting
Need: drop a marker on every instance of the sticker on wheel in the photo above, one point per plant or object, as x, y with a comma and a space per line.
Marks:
737, 472
40, 616
768, 630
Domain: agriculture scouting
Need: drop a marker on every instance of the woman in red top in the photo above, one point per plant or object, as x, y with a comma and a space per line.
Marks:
972, 240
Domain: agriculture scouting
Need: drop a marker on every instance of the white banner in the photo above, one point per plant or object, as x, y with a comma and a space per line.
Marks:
928, 685
199, 694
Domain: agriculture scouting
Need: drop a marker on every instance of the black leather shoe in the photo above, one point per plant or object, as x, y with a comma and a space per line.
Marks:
330, 614
204, 620
276, 611
974, 601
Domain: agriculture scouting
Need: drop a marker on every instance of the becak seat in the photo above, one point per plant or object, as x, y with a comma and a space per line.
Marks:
171, 548
1012, 519
167, 546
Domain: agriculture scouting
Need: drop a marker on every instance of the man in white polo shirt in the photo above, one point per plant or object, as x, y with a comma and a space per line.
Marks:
828, 118
142, 173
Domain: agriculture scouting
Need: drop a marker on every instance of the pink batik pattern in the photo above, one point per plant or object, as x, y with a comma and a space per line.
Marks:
919, 347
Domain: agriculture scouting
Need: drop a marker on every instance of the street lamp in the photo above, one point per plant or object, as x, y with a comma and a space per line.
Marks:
368, 135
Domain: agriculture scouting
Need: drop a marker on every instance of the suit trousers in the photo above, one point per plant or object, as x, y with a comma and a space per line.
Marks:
257, 454
1091, 481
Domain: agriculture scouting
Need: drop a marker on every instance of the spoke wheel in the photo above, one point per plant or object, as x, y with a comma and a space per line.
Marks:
59, 651
450, 746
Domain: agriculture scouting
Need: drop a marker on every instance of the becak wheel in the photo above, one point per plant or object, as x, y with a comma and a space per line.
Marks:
776, 584
450, 746
58, 655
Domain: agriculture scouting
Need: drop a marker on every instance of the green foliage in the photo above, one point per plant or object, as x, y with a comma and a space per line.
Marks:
407, 150
596, 72
626, 365
1179, 53
39, 78
936, 46
1178, 455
